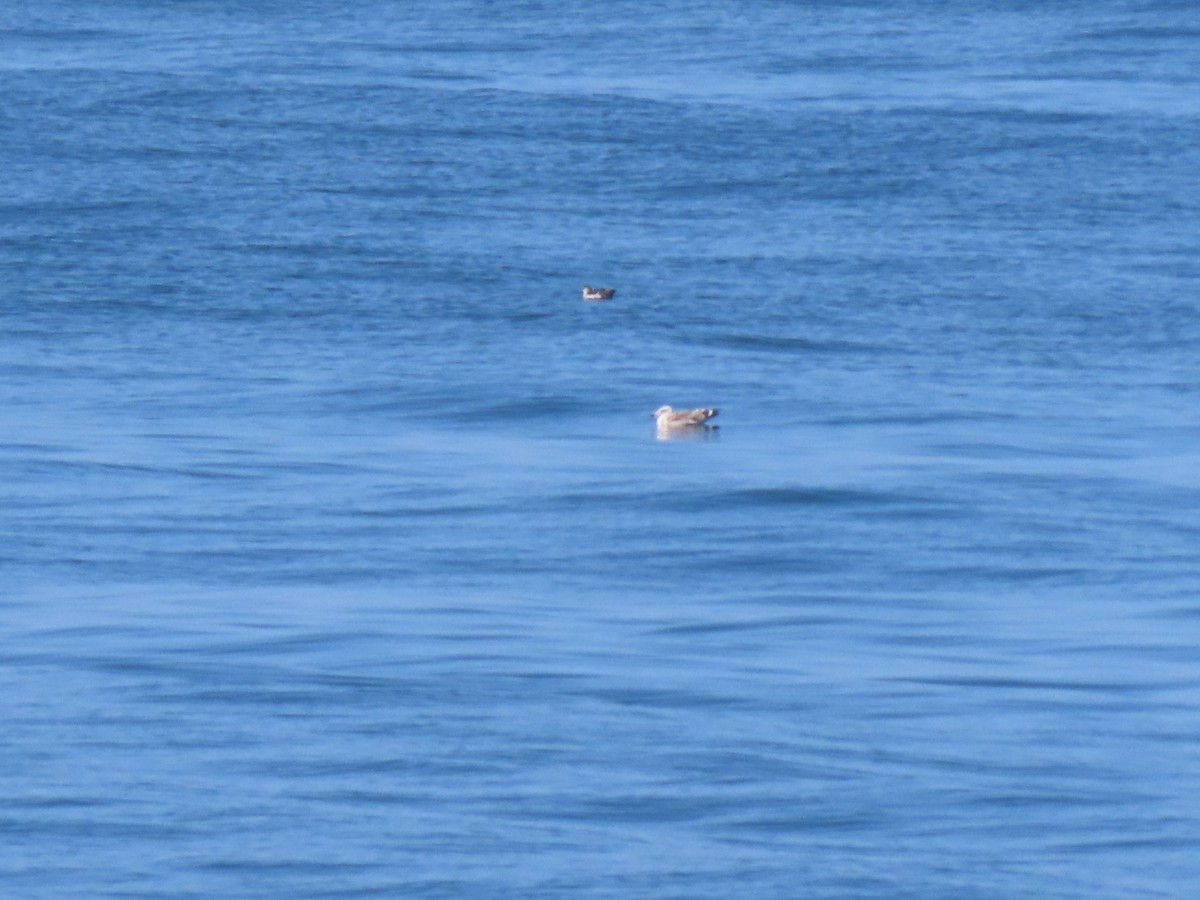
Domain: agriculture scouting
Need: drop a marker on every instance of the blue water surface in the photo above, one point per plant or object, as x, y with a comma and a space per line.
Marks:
339, 553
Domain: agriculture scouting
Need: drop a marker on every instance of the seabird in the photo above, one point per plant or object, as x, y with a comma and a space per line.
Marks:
669, 419
591, 293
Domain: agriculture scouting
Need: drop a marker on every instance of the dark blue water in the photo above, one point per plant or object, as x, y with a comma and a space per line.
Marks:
338, 553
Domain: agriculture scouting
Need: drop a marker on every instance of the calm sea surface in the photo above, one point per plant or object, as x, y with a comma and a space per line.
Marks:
339, 556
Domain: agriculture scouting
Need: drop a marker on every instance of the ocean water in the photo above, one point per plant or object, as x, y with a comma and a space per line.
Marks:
339, 556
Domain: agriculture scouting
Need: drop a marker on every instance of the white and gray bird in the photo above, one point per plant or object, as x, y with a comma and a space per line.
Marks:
670, 419
591, 293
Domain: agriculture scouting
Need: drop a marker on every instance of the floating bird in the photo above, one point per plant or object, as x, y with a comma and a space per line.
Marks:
670, 420
591, 293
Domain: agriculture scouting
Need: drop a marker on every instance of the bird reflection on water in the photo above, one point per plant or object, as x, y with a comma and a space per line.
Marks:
695, 433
